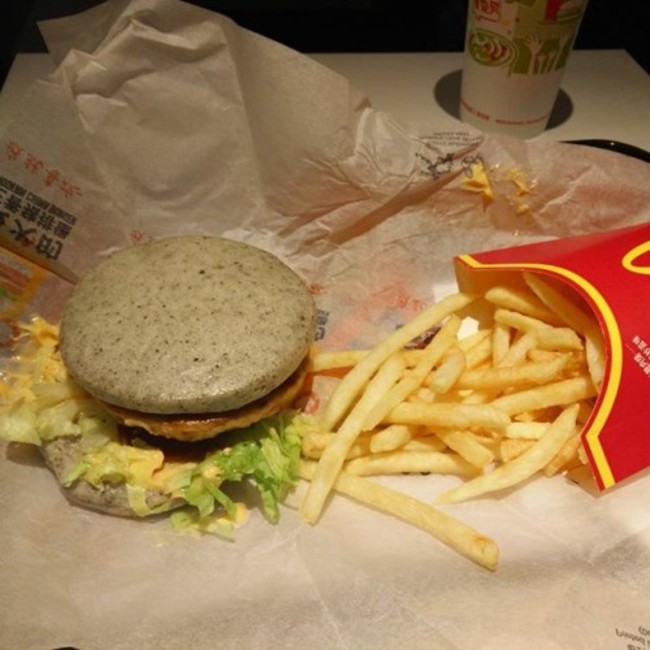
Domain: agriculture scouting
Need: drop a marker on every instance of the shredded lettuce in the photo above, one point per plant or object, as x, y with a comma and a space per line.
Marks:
117, 463
137, 497
188, 520
268, 454
39, 401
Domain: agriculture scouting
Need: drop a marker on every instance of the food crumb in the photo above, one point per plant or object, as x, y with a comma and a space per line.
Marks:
477, 181
518, 178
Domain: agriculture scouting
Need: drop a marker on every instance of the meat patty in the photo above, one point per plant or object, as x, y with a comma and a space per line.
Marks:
191, 428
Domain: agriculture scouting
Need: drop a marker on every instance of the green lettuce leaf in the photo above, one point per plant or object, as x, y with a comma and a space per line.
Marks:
268, 454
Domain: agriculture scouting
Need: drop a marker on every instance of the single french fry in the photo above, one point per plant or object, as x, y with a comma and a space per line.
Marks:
518, 321
582, 455
526, 430
526, 374
570, 313
408, 384
352, 384
501, 337
479, 354
576, 364
558, 338
596, 358
538, 355
479, 396
586, 408
510, 448
391, 438
335, 360
413, 356
466, 445
341, 359
519, 350
458, 536
472, 340
333, 456
422, 394
456, 416
424, 443
559, 393
489, 439
523, 301
447, 373
522, 467
566, 457
314, 442
410, 462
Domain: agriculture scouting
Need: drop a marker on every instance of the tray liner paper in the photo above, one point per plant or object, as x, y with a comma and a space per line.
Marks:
163, 118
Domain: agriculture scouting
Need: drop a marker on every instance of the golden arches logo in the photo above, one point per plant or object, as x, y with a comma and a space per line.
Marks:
630, 258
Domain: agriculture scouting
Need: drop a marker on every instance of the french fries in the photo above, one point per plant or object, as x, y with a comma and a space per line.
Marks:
333, 456
494, 407
448, 372
390, 438
459, 536
466, 445
439, 344
411, 462
576, 318
524, 302
525, 374
522, 467
355, 381
558, 393
447, 414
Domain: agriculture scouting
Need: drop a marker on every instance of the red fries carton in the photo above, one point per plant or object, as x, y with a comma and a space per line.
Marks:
610, 271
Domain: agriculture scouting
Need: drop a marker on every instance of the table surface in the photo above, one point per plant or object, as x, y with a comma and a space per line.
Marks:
605, 93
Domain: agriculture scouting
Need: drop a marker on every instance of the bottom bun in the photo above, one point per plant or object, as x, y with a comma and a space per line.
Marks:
62, 455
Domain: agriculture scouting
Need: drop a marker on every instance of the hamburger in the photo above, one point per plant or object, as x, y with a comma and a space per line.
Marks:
173, 374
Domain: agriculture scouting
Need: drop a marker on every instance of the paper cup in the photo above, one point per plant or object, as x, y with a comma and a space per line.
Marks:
515, 56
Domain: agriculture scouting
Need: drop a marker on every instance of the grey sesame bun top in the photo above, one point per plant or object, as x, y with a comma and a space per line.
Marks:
187, 324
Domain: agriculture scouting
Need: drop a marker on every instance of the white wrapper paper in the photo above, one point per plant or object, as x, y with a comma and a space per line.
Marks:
163, 119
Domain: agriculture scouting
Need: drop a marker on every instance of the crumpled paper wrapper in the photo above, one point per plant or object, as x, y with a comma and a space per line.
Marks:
162, 119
